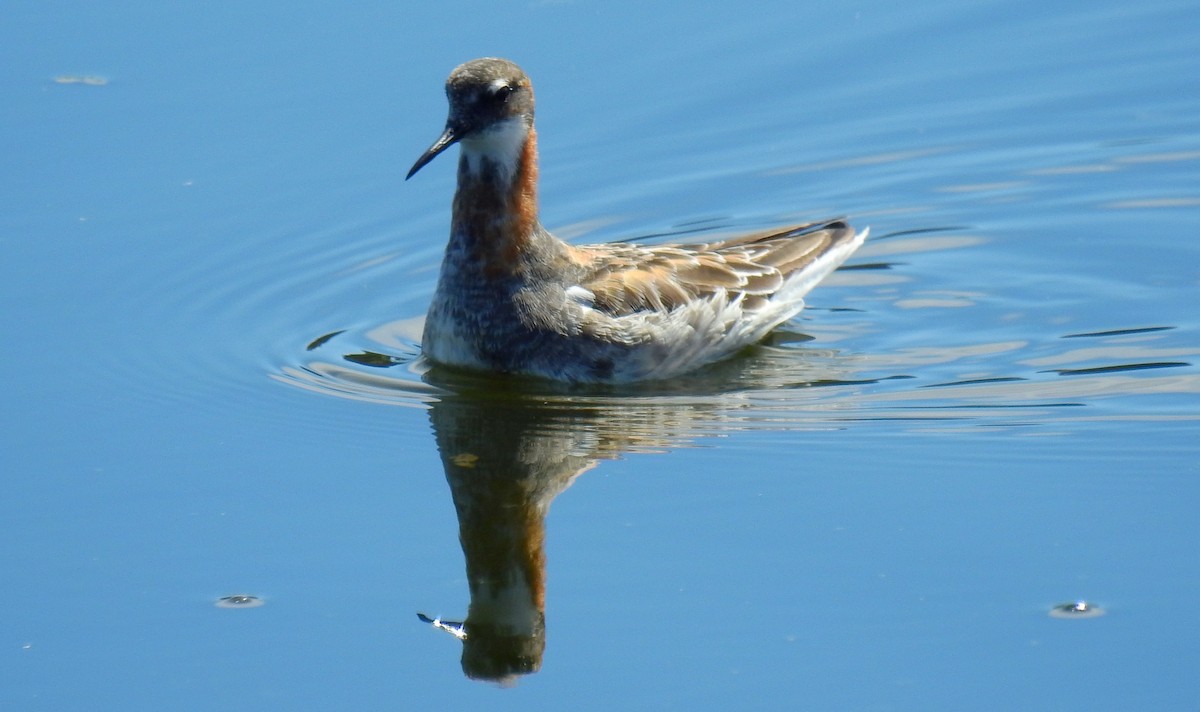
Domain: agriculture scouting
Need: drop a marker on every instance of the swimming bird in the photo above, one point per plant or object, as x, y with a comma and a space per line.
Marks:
513, 298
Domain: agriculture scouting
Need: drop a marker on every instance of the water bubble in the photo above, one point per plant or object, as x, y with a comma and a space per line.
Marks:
240, 600
1076, 609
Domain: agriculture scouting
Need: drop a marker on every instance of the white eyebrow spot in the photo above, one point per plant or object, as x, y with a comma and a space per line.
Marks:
498, 84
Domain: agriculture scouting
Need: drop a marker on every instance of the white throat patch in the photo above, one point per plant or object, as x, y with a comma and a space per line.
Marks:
500, 144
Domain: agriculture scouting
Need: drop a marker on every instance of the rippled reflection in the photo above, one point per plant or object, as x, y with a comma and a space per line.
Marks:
788, 383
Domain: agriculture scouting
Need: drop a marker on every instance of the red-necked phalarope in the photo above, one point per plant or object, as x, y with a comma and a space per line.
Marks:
513, 298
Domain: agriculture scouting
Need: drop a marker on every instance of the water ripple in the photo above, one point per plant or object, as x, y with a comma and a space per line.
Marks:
800, 379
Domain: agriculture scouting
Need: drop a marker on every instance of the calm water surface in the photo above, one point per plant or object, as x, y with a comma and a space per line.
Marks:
214, 277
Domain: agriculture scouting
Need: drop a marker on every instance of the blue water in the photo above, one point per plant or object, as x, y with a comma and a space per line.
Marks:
992, 411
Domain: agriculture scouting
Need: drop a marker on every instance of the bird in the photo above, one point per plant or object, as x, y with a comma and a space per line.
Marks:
512, 298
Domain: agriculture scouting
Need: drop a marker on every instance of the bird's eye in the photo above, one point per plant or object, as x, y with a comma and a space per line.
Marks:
499, 92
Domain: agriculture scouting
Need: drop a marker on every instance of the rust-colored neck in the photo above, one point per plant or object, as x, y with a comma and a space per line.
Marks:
495, 212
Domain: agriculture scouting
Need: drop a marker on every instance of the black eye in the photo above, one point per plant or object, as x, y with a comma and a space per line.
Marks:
500, 92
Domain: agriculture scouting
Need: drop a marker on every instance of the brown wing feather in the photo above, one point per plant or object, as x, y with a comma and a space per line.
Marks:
628, 278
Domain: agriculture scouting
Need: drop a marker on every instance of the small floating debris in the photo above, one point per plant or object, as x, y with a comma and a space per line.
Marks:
1076, 609
373, 359
240, 600
90, 80
320, 340
465, 459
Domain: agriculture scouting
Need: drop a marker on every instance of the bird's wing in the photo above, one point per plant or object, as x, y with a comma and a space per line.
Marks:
624, 278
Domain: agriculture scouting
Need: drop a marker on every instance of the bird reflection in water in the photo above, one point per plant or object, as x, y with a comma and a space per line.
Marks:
507, 456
